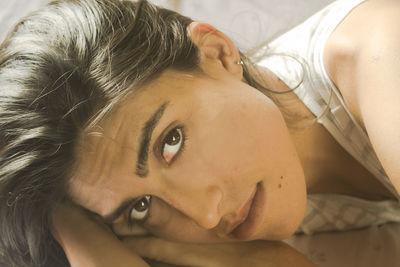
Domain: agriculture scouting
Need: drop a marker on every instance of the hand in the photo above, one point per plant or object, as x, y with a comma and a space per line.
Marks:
87, 242
254, 253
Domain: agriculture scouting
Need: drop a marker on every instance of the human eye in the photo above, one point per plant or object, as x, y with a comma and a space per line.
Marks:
172, 144
140, 211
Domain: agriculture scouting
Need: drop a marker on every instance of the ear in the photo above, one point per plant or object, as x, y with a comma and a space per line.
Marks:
215, 48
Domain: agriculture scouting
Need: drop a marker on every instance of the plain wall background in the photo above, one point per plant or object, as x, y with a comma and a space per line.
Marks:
247, 22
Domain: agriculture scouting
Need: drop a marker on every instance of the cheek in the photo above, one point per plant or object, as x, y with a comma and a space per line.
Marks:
284, 212
249, 142
236, 143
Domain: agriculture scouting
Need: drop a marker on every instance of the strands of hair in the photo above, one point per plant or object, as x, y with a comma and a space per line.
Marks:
62, 69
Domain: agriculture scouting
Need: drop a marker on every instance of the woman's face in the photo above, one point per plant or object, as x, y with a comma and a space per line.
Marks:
193, 158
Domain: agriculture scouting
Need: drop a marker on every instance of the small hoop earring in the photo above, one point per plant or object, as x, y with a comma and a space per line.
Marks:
239, 62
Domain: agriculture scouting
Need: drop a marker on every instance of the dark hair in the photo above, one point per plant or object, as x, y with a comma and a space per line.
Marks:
61, 69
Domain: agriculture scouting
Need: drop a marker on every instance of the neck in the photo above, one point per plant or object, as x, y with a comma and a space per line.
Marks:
328, 168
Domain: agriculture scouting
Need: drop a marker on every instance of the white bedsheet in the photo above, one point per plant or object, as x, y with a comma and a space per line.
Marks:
249, 23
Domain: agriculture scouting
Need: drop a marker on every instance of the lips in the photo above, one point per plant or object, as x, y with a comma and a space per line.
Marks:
253, 218
242, 214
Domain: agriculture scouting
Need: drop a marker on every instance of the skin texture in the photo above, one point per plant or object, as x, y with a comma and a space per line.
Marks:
89, 243
365, 66
83, 239
233, 145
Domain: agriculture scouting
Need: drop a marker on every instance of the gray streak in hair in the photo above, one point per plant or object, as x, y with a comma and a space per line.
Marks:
62, 69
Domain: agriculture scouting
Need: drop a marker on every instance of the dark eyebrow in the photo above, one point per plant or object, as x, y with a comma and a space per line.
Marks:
141, 164
144, 141
110, 218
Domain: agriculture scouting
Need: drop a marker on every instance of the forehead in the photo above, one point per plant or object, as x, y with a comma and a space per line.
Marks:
103, 155
107, 154
118, 131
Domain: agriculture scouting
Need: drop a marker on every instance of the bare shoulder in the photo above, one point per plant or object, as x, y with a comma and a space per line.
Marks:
369, 22
363, 58
372, 24
381, 19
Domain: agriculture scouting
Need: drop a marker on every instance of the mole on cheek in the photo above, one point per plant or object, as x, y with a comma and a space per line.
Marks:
280, 185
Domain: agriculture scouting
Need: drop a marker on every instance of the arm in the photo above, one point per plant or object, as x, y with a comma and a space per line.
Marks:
253, 253
88, 243
377, 78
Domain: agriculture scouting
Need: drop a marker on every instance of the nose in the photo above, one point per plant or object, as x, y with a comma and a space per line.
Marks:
202, 206
207, 219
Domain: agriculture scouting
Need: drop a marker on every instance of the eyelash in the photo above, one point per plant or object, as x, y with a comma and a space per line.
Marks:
130, 221
182, 148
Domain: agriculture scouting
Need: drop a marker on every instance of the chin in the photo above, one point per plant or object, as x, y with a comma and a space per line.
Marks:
286, 232
278, 235
284, 228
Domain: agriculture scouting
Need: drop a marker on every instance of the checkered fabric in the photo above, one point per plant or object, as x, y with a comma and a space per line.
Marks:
333, 212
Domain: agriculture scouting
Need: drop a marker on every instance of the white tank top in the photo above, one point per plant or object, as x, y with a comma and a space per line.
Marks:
296, 57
